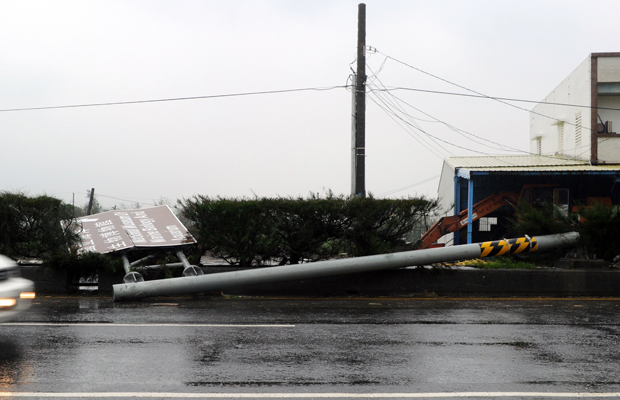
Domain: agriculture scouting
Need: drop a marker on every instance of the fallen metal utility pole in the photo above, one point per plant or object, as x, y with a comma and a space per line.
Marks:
225, 280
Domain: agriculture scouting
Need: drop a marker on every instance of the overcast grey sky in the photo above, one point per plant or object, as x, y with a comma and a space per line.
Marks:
83, 52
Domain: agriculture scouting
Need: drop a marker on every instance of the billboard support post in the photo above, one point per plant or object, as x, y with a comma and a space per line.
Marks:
126, 264
130, 276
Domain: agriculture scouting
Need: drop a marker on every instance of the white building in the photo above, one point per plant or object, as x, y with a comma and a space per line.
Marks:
580, 117
575, 154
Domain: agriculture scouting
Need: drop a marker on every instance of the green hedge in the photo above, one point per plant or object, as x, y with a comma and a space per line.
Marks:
254, 231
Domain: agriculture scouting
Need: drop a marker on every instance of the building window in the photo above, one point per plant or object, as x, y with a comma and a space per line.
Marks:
485, 223
539, 146
578, 129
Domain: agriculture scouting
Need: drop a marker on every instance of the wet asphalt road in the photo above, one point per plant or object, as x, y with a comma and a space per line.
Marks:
261, 348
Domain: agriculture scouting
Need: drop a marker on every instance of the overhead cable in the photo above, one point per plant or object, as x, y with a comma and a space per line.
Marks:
462, 132
129, 201
407, 187
394, 88
390, 112
389, 101
116, 103
399, 120
415, 126
481, 94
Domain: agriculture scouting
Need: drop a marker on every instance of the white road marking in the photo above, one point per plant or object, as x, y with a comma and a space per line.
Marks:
313, 395
146, 325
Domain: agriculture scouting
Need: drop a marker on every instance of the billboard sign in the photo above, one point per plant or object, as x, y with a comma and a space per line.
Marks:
124, 229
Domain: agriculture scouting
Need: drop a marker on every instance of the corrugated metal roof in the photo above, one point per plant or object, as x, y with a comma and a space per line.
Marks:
526, 163
553, 168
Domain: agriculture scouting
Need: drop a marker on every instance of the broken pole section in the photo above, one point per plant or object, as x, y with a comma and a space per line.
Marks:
225, 280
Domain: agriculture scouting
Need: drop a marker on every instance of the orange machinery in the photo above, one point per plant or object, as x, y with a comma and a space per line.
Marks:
534, 195
455, 222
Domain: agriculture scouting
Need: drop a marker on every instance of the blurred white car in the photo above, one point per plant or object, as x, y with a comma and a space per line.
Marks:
16, 293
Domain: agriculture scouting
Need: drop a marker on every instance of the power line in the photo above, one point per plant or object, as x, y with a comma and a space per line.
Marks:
129, 201
407, 187
393, 115
460, 131
388, 89
428, 134
503, 100
463, 133
411, 123
398, 107
434, 138
482, 94
116, 103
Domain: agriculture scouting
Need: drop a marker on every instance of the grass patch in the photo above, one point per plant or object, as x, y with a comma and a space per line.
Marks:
502, 263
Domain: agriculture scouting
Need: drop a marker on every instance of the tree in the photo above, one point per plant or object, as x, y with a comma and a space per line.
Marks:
253, 231
31, 226
375, 226
598, 226
236, 230
306, 227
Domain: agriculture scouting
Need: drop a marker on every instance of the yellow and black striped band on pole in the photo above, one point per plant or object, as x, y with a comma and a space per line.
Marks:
510, 246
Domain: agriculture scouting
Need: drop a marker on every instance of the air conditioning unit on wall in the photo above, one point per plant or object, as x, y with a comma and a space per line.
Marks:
607, 127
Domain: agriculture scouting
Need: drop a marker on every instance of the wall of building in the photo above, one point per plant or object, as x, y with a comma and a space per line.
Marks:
609, 98
608, 69
564, 130
605, 103
609, 149
608, 85
445, 193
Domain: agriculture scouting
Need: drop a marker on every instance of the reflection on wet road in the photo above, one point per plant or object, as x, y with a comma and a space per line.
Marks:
302, 348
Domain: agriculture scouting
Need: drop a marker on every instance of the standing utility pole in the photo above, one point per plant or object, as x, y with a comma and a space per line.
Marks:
90, 202
359, 151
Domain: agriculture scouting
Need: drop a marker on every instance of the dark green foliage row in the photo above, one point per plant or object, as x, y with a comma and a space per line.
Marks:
598, 226
293, 230
31, 226
253, 231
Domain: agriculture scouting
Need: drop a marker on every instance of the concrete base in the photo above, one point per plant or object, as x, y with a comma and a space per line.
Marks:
412, 282
46, 280
421, 282
571, 263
